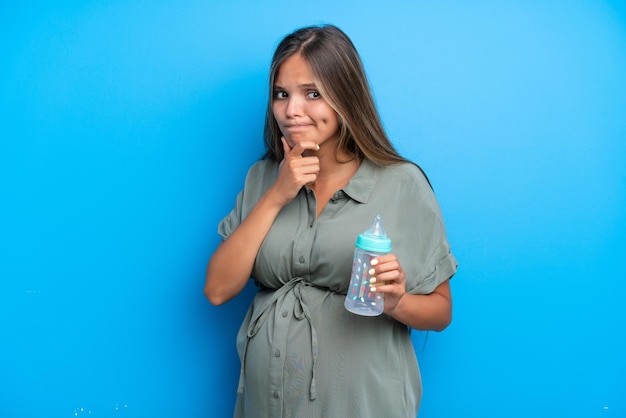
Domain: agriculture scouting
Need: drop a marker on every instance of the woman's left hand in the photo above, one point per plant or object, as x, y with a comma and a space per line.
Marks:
388, 278
432, 311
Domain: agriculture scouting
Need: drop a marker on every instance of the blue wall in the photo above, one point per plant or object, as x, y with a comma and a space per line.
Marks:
126, 129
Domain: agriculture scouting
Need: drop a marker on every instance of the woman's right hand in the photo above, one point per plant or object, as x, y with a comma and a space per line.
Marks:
295, 170
231, 265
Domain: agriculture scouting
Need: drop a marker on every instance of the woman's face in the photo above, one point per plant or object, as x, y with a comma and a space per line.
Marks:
299, 109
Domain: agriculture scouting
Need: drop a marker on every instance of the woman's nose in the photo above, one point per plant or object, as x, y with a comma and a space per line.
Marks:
294, 107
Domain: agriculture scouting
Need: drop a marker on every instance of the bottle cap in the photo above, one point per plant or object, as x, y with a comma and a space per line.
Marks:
374, 238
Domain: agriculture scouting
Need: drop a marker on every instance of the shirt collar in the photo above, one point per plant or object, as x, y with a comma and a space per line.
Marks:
361, 185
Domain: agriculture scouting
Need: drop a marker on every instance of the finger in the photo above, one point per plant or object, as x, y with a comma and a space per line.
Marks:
383, 287
388, 283
286, 147
381, 259
389, 277
382, 264
303, 146
302, 164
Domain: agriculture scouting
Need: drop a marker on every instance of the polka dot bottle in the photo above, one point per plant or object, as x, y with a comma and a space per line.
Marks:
369, 245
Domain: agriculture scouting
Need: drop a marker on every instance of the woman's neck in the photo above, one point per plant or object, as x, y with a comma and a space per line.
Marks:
335, 173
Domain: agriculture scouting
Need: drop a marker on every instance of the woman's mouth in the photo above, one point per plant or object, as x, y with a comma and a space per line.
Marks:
297, 127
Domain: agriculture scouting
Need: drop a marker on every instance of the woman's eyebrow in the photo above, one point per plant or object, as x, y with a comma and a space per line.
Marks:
302, 86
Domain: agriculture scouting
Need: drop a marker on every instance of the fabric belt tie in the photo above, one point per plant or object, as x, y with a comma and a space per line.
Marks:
301, 311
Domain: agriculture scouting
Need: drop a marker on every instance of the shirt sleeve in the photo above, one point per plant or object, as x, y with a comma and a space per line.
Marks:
428, 259
232, 220
260, 176
438, 268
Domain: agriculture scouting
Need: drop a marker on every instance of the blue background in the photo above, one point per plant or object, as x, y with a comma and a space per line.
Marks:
126, 130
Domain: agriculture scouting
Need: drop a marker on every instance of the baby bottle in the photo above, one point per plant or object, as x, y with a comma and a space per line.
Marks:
370, 244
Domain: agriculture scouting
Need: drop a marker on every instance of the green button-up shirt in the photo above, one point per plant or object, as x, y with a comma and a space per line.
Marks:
302, 353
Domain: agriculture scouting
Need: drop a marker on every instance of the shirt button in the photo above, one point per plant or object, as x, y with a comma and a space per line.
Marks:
275, 394
301, 259
277, 353
284, 314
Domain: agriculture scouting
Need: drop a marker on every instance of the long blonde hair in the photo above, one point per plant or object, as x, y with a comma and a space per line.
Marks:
341, 79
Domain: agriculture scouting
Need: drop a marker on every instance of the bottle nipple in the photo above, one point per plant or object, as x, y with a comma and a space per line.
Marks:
374, 238
377, 227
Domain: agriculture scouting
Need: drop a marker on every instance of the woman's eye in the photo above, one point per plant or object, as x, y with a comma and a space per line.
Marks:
280, 94
314, 94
